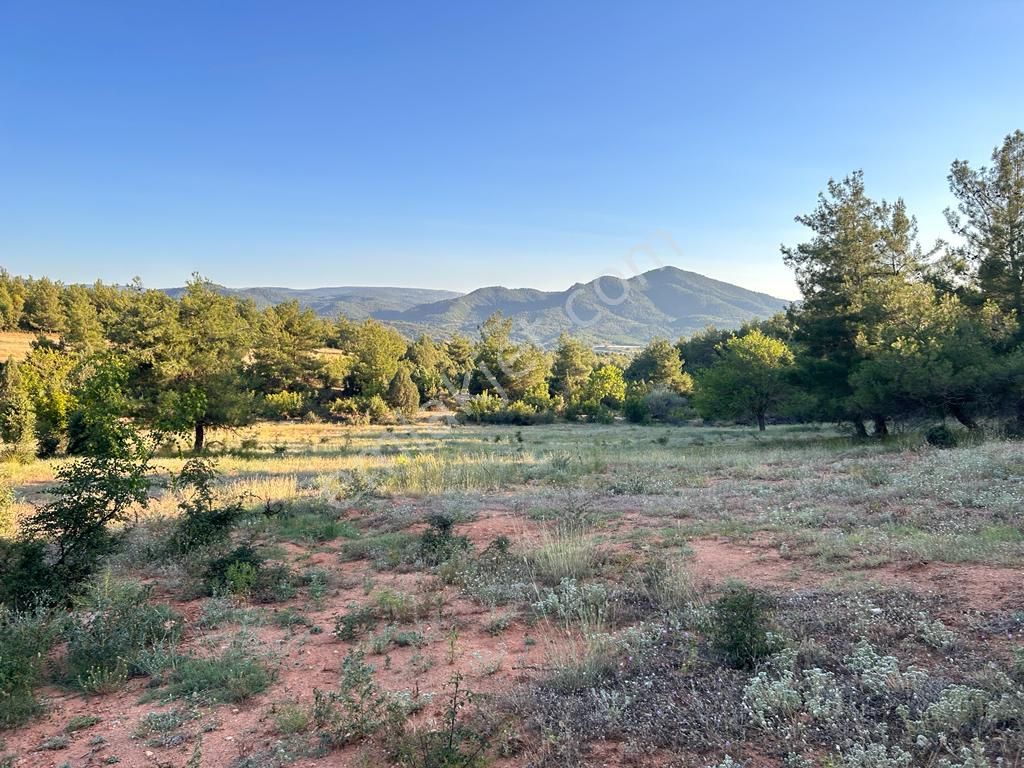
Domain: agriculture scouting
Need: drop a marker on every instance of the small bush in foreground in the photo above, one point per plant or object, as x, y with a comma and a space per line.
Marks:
741, 627
107, 636
25, 640
232, 677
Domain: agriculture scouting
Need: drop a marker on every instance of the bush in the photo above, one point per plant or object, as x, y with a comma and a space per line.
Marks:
741, 627
26, 578
377, 410
438, 544
941, 436
234, 572
232, 677
358, 709
25, 641
203, 522
109, 633
283, 405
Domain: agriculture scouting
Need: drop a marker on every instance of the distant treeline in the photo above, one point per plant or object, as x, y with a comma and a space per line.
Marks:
886, 330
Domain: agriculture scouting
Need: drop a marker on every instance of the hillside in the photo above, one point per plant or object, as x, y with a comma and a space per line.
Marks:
355, 302
667, 302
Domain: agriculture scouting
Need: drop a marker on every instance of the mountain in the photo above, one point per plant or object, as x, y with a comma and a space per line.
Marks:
355, 302
666, 302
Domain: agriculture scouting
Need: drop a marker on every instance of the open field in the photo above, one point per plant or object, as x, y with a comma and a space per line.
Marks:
15, 345
585, 596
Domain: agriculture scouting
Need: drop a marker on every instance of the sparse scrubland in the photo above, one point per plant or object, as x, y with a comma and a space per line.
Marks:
258, 538
572, 594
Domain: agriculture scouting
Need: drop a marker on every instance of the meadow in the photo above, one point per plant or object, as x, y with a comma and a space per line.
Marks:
431, 594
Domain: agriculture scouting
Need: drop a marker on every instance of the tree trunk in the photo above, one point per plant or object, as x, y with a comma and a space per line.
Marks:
958, 413
200, 440
881, 428
859, 428
760, 422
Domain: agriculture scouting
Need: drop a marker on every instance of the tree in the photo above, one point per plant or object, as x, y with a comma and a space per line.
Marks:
49, 376
44, 311
285, 354
429, 363
605, 387
748, 379
82, 333
659, 365
990, 220
98, 424
17, 415
200, 381
403, 395
459, 364
856, 244
573, 363
91, 494
935, 354
376, 349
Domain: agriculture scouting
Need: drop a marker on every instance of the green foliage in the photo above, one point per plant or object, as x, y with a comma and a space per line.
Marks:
232, 677
358, 709
283, 405
90, 495
25, 641
659, 365
741, 625
376, 350
203, 520
97, 426
17, 413
403, 394
748, 379
234, 572
112, 626
438, 544
941, 436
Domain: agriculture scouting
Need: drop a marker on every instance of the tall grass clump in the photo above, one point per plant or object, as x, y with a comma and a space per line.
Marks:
564, 552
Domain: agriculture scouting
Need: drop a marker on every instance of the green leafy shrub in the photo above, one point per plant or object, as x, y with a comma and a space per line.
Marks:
25, 640
283, 405
234, 572
203, 522
941, 436
438, 544
741, 626
358, 709
106, 636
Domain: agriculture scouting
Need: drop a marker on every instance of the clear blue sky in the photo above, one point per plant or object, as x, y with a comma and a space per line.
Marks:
458, 144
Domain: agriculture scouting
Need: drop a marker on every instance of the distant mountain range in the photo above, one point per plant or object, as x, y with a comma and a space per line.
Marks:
667, 302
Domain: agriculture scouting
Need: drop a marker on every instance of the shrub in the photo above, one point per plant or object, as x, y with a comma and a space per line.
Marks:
232, 677
26, 578
203, 521
25, 640
282, 405
358, 709
941, 436
741, 627
377, 410
234, 572
113, 626
92, 493
438, 544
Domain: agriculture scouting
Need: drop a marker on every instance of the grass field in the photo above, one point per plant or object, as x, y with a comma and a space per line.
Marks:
15, 344
564, 595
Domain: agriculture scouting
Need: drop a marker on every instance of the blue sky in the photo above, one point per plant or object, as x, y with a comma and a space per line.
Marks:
459, 144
